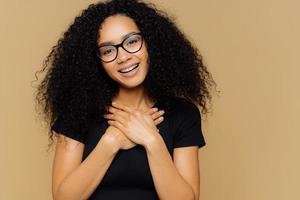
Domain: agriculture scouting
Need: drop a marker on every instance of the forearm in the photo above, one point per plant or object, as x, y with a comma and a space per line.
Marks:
83, 181
168, 182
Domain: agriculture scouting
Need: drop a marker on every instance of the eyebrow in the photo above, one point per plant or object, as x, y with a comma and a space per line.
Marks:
110, 42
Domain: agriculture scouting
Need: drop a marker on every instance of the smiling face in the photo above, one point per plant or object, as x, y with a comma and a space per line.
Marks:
115, 30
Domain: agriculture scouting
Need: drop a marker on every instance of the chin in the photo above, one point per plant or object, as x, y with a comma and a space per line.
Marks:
131, 84
134, 81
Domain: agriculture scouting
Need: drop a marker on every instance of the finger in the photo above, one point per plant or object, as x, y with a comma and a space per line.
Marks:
118, 118
117, 125
117, 111
108, 116
122, 107
106, 109
159, 120
151, 111
157, 114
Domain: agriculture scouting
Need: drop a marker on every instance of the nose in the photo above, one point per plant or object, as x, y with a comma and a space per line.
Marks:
122, 55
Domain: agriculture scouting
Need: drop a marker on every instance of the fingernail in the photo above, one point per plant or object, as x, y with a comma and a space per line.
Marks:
162, 111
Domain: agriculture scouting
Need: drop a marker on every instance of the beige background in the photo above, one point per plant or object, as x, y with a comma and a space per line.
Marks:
252, 135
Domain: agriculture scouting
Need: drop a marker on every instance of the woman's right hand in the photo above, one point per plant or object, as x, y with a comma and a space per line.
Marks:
120, 140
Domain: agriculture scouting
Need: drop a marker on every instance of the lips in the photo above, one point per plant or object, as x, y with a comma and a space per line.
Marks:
132, 72
128, 66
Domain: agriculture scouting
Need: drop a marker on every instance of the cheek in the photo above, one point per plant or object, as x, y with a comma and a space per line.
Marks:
146, 58
144, 54
105, 68
108, 69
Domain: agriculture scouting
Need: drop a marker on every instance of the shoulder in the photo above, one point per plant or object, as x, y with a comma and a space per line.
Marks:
64, 127
183, 109
183, 106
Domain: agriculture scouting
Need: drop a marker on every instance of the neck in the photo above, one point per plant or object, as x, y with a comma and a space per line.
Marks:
133, 97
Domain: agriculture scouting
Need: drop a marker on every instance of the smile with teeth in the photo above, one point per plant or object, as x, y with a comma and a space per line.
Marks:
129, 69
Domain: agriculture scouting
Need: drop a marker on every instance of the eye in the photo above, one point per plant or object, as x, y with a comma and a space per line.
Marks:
132, 42
106, 51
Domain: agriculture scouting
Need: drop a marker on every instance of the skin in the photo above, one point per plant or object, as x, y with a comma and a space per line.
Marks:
131, 92
173, 179
132, 121
75, 179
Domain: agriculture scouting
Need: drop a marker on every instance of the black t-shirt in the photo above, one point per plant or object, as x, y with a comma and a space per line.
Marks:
129, 175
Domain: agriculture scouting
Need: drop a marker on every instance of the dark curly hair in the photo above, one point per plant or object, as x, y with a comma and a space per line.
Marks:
77, 89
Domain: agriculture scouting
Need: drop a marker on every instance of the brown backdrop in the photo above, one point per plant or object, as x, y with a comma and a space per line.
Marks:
252, 135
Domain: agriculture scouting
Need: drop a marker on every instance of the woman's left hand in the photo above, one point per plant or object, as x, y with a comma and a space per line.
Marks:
135, 124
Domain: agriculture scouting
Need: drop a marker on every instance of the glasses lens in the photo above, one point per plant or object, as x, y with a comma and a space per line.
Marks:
133, 43
107, 53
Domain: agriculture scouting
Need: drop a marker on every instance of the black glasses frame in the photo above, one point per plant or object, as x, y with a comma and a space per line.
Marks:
120, 45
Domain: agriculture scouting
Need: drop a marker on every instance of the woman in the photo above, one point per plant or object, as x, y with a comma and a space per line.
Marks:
121, 96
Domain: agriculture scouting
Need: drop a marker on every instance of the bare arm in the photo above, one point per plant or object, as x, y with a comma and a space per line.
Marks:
186, 160
172, 181
75, 180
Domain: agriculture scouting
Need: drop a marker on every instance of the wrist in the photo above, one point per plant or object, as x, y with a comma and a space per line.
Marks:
153, 142
110, 142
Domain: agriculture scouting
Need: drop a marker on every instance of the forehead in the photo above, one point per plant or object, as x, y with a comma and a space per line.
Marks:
114, 27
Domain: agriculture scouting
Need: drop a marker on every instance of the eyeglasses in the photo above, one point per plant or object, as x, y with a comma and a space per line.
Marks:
131, 44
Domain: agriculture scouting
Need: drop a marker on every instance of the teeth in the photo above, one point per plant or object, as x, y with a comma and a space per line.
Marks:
128, 69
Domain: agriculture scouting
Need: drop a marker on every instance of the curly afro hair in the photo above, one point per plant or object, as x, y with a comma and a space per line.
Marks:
76, 88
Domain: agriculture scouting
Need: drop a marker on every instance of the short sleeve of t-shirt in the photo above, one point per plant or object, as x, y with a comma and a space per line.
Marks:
189, 132
58, 127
